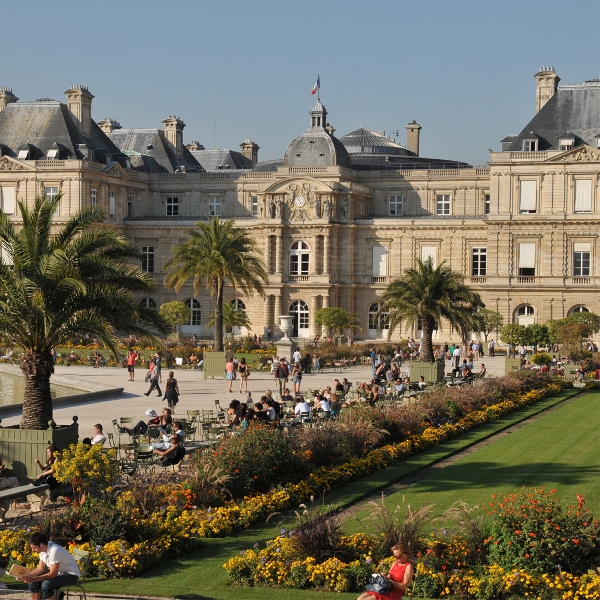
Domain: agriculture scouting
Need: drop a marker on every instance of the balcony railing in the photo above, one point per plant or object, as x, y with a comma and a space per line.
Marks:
296, 278
525, 279
478, 279
580, 280
375, 279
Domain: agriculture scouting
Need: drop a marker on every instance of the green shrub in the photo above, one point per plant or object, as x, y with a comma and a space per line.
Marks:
531, 530
254, 461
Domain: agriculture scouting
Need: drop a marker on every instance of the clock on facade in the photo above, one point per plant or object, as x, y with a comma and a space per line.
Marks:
299, 201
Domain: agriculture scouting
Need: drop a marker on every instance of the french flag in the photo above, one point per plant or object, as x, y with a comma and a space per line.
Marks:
317, 86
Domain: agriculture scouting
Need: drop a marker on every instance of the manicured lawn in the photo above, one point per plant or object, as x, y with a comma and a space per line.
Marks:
200, 575
560, 450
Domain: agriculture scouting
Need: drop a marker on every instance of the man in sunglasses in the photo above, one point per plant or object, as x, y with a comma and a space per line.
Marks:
172, 455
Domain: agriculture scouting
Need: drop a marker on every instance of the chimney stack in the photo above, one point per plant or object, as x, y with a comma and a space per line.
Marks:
108, 125
6, 97
250, 151
79, 103
174, 133
547, 84
194, 146
412, 137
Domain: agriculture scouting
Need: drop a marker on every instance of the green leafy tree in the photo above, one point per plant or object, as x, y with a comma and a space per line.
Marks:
336, 319
63, 281
175, 313
431, 294
592, 320
541, 358
231, 318
216, 251
573, 336
553, 326
536, 335
513, 334
489, 321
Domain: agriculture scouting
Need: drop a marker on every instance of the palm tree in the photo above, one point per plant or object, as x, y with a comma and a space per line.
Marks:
59, 282
431, 294
217, 252
231, 318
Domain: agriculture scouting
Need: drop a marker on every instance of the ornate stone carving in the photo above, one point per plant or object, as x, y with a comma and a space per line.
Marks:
6, 164
581, 154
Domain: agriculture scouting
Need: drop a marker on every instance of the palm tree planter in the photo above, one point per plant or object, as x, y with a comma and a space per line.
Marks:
511, 365
20, 447
431, 295
214, 365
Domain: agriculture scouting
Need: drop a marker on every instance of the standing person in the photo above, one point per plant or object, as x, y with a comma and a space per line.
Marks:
158, 361
297, 357
244, 371
171, 392
456, 353
229, 373
154, 374
131, 357
57, 568
399, 576
269, 334
317, 363
297, 377
281, 375
491, 348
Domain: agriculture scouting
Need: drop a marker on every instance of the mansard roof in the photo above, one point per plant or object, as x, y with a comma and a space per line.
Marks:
222, 159
365, 141
574, 107
153, 143
47, 124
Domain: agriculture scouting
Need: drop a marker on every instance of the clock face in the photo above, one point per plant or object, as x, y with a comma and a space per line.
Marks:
299, 201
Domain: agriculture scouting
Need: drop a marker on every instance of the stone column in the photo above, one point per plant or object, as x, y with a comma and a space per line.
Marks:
268, 253
314, 256
326, 243
325, 301
278, 245
314, 305
277, 312
267, 322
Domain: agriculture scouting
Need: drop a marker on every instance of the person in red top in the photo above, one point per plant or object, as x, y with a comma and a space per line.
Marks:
400, 575
131, 358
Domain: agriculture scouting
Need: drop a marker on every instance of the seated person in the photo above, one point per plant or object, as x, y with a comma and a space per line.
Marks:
482, 371
98, 435
260, 414
47, 475
249, 417
272, 409
466, 373
141, 427
321, 404
373, 396
57, 568
346, 385
301, 407
422, 383
193, 359
172, 455
287, 397
166, 438
72, 358
97, 358
338, 386
400, 387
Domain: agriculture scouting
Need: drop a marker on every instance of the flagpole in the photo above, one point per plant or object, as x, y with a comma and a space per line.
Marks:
319, 88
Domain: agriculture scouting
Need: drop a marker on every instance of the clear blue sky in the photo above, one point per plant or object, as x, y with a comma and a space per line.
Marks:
463, 69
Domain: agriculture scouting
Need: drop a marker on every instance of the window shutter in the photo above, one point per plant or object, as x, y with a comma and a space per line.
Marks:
379, 261
581, 247
528, 195
526, 256
583, 195
427, 251
7, 196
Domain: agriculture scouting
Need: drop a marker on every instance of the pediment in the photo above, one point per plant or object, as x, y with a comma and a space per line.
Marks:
114, 169
10, 164
285, 185
583, 153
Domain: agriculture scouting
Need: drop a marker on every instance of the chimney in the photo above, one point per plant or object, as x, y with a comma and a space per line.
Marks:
250, 151
6, 97
108, 125
174, 133
547, 84
194, 146
412, 137
79, 103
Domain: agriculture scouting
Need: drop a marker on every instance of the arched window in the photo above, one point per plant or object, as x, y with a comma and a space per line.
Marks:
525, 315
147, 303
238, 305
299, 310
196, 313
576, 309
377, 323
299, 258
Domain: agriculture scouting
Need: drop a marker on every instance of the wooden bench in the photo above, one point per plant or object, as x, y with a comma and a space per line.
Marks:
22, 491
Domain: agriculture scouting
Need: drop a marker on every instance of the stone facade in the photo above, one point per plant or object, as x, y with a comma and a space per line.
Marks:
523, 231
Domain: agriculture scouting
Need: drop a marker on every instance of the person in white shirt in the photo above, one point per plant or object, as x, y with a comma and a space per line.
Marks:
57, 568
98, 435
320, 403
297, 356
301, 407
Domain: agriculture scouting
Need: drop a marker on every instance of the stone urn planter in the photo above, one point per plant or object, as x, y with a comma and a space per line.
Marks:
284, 345
20, 447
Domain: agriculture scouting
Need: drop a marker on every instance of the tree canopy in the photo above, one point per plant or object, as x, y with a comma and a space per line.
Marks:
336, 319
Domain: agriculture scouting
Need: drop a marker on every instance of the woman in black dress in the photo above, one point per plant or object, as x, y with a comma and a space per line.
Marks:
172, 392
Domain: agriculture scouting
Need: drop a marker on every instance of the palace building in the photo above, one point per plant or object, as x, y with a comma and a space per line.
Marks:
336, 219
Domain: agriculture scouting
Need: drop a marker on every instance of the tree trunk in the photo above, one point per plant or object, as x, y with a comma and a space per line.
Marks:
37, 368
218, 315
427, 347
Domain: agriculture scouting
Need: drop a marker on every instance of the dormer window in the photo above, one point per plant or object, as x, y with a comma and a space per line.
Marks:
530, 143
23, 154
53, 154
598, 141
566, 141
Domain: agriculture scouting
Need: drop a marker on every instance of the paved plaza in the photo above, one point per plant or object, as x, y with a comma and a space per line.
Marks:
195, 391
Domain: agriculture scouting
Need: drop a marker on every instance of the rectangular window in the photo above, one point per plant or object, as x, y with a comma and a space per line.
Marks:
528, 200
396, 204
583, 195
479, 265
488, 203
94, 198
112, 206
50, 192
526, 259
442, 204
429, 252
254, 205
530, 145
130, 205
581, 260
379, 261
214, 206
172, 206
7, 199
148, 259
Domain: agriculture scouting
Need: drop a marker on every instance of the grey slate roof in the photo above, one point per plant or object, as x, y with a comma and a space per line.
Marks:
162, 151
221, 159
365, 141
574, 107
46, 124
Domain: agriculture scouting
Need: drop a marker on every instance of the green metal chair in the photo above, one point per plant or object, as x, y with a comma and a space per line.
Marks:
82, 557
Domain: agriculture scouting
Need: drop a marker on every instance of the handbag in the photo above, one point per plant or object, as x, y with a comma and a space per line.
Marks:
378, 584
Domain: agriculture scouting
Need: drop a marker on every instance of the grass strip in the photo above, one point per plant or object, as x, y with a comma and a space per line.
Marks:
200, 574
